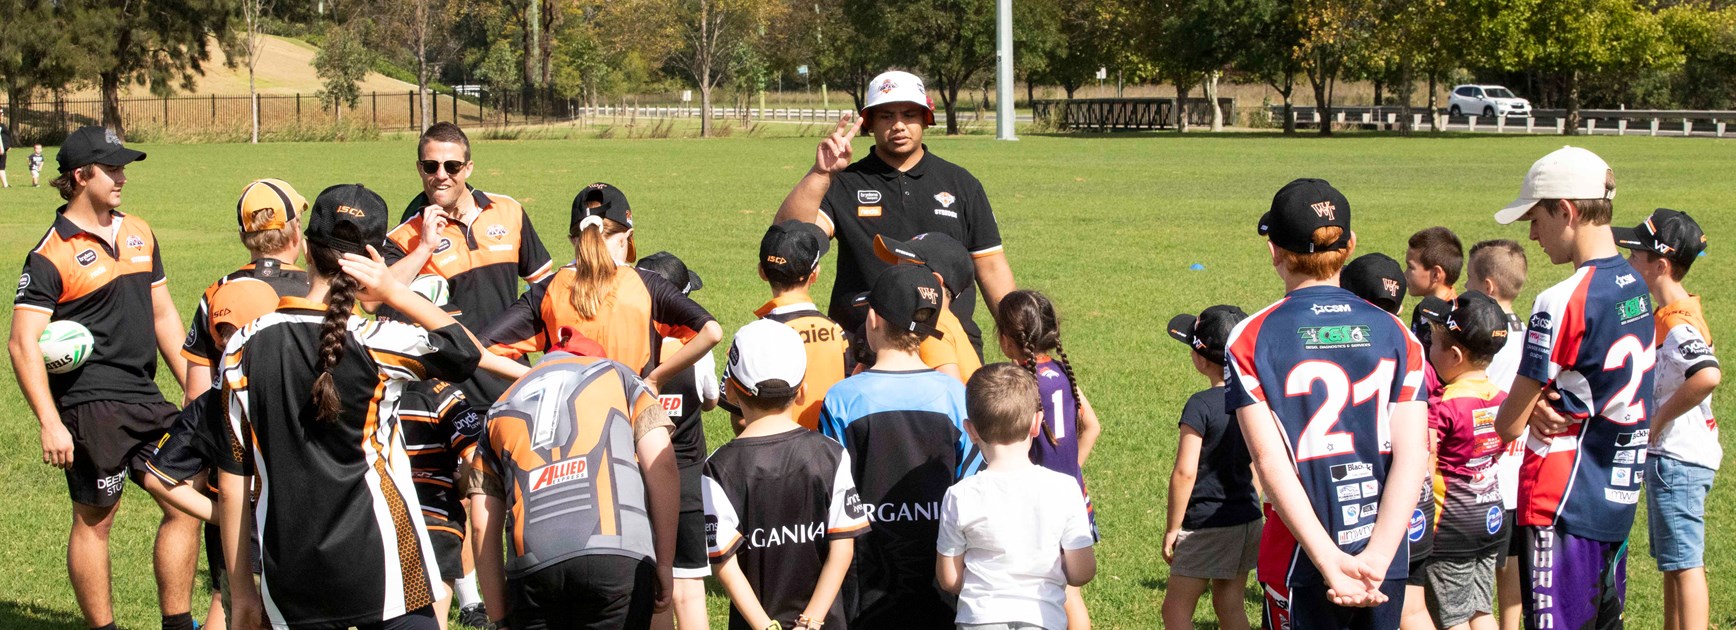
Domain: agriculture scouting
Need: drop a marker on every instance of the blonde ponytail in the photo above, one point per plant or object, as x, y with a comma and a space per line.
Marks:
593, 286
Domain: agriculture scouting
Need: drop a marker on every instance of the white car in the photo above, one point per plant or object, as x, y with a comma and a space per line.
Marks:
1487, 101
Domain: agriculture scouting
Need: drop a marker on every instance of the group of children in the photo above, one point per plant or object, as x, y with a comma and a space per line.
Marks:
1537, 440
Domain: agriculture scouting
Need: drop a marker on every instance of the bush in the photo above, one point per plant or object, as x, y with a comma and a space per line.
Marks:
347, 131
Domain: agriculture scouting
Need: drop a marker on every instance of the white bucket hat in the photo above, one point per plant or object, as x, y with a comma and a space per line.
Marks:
896, 86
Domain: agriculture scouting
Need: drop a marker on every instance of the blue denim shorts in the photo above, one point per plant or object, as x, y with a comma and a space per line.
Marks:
1676, 512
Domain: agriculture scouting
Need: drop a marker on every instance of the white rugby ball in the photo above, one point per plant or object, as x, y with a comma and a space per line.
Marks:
65, 346
433, 287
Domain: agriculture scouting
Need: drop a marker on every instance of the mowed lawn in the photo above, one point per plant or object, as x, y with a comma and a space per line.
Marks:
1107, 226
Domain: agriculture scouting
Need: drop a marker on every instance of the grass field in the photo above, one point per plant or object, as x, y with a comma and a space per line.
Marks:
1107, 226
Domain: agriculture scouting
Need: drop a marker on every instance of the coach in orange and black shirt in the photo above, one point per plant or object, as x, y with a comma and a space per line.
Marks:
481, 243
101, 268
601, 296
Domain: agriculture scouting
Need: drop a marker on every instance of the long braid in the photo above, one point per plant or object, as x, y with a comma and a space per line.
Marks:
1030, 365
334, 331
1072, 382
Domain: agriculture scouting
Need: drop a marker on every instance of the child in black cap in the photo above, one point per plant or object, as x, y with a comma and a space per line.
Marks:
1213, 537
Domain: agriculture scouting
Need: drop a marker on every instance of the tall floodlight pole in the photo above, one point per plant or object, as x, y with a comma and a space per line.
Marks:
1004, 117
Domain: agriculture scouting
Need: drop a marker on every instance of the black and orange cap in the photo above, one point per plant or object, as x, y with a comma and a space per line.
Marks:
348, 218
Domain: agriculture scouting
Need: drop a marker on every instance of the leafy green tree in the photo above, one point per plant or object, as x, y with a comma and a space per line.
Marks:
1273, 56
1577, 40
164, 45
342, 62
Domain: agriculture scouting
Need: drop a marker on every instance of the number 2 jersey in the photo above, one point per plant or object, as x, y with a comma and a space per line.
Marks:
1590, 338
1330, 366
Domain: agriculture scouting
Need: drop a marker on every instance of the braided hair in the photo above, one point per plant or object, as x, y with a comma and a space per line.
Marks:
334, 329
1027, 320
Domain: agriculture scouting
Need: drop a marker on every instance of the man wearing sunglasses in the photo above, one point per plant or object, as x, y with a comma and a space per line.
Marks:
481, 244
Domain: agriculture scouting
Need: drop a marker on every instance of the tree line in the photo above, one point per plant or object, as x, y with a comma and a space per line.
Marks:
1560, 53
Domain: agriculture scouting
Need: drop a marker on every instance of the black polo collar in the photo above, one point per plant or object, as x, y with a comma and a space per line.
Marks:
873, 164
67, 229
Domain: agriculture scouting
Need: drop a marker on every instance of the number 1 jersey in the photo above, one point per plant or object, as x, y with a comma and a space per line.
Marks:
1330, 366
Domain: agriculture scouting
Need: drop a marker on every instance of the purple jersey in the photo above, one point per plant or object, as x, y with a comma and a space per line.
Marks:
1060, 421
1330, 366
1590, 339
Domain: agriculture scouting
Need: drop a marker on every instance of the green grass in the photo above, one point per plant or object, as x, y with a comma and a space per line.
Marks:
1108, 226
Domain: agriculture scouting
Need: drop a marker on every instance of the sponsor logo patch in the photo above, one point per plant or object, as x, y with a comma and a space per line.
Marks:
1624, 457
1352, 471
1542, 321
497, 231
559, 473
1419, 524
1621, 477
672, 404
1633, 308
135, 242
867, 211
445, 244
1331, 308
1355, 535
1625, 497
1636, 438
1492, 521
1349, 493
86, 257
1624, 280
868, 197
1370, 509
1350, 513
1334, 337
945, 213
111, 485
1690, 351
468, 424
24, 281
1371, 488
354, 212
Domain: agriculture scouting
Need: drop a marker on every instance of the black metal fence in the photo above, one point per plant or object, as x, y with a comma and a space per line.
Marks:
1128, 114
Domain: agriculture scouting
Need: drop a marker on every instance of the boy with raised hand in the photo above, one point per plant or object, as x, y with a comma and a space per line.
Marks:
903, 425
789, 261
782, 508
1471, 530
950, 351
103, 269
1327, 389
1584, 388
1016, 535
1497, 268
1684, 453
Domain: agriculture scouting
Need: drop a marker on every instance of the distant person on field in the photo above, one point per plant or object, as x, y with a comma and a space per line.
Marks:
1015, 535
1684, 453
1213, 537
898, 191
951, 351
36, 167
789, 261
5, 144
101, 268
1497, 269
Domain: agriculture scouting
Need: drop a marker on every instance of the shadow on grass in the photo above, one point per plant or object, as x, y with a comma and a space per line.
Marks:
18, 616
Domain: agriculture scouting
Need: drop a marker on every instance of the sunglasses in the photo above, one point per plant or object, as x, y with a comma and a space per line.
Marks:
452, 166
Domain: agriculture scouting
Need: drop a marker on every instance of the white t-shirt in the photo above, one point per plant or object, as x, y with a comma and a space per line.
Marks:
1693, 436
1011, 527
1501, 371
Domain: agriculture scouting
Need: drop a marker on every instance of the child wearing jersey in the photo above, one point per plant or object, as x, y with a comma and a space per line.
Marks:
1013, 536
1213, 537
1327, 389
1584, 388
1471, 529
1497, 268
440, 430
903, 425
36, 167
1684, 453
789, 261
685, 398
1030, 335
784, 510
951, 350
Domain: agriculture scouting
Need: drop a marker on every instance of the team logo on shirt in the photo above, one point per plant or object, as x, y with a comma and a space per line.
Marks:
1330, 308
1418, 525
945, 199
559, 473
1633, 308
1352, 471
497, 231
135, 242
1334, 337
867, 196
86, 257
1690, 351
445, 244
1492, 521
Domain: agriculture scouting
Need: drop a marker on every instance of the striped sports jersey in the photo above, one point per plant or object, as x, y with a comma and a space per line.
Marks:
1330, 366
1590, 338
202, 346
562, 444
775, 503
826, 347
440, 427
76, 275
1467, 496
905, 435
341, 534
644, 310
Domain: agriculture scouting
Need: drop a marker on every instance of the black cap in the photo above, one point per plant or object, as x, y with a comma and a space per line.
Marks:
1376, 278
672, 269
908, 298
94, 145
1300, 208
348, 218
613, 206
1474, 321
938, 251
790, 250
1209, 333
1668, 233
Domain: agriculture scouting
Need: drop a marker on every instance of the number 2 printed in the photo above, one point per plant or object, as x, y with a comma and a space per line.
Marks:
1318, 439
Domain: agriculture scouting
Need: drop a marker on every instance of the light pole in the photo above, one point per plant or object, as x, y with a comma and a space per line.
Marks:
1004, 117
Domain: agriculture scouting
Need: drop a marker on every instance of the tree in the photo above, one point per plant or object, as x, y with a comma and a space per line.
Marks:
1273, 55
1200, 39
1577, 40
164, 45
847, 55
342, 62
252, 44
421, 31
1092, 34
712, 29
1334, 33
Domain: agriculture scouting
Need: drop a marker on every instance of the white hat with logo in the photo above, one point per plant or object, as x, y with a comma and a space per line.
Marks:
767, 358
1567, 173
895, 86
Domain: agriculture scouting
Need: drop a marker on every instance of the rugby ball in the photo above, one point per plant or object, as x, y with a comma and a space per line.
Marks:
65, 346
433, 287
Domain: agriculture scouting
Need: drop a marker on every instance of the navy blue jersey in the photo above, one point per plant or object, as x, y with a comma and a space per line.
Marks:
1330, 366
905, 435
1590, 339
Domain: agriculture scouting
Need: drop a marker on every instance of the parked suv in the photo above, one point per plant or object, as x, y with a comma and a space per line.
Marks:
1487, 101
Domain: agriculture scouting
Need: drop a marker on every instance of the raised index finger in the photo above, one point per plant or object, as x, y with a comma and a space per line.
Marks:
856, 127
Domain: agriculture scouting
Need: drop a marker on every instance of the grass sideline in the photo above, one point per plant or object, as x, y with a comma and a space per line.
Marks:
1107, 226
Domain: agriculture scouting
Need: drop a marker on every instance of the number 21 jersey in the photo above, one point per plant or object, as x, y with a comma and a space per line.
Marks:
1330, 366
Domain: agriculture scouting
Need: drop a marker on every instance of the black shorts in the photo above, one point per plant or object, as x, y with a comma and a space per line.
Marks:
110, 439
180, 455
691, 559
1515, 541
448, 539
214, 564
604, 592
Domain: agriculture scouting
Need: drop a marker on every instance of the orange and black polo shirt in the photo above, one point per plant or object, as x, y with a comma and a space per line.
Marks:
202, 346
76, 275
645, 309
481, 261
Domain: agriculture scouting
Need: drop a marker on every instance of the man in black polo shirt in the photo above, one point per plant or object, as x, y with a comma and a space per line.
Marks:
100, 422
898, 191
